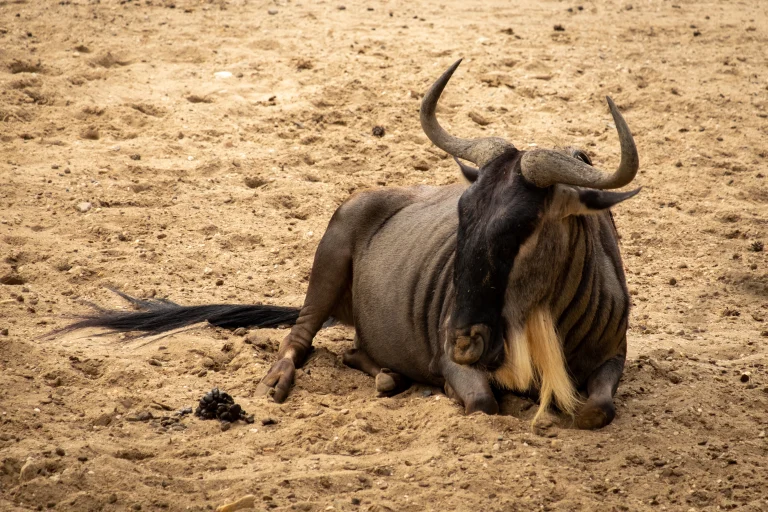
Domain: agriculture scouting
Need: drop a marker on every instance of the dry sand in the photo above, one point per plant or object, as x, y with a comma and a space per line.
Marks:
125, 161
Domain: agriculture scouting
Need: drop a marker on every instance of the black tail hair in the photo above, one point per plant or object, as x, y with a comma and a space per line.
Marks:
155, 316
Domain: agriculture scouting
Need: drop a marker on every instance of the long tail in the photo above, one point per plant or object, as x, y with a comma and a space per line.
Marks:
155, 316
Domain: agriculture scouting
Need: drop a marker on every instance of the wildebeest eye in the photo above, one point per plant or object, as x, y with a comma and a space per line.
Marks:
577, 153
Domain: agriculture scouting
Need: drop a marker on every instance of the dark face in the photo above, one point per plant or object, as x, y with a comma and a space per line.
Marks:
497, 214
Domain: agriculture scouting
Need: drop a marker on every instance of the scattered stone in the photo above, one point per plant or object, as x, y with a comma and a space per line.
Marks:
244, 502
12, 279
672, 281
272, 12
421, 165
90, 134
559, 28
84, 206
268, 421
133, 454
222, 75
254, 182
745, 377
112, 498
482, 121
4, 332
185, 411
30, 470
240, 331
103, 420
135, 156
60, 451
142, 416
378, 131
426, 393
225, 425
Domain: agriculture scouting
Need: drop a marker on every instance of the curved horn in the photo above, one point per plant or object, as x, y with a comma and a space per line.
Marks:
477, 151
544, 167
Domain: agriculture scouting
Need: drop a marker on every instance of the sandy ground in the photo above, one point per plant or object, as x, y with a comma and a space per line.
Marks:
126, 161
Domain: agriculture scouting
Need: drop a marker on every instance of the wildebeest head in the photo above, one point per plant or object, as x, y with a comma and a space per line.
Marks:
510, 194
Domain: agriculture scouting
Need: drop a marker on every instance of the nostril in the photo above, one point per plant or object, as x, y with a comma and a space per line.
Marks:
481, 331
463, 342
470, 344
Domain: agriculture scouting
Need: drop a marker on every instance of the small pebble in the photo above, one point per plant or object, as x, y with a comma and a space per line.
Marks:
744, 377
225, 425
378, 131
84, 206
268, 421
60, 451
240, 331
272, 12
672, 281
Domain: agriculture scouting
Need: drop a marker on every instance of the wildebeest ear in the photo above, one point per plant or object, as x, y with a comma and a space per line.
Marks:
469, 172
583, 201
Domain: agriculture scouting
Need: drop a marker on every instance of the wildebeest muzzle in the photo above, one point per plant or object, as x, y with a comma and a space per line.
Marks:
477, 345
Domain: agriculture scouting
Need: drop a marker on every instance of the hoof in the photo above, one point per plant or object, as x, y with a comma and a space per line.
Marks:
385, 382
486, 404
389, 383
545, 424
595, 415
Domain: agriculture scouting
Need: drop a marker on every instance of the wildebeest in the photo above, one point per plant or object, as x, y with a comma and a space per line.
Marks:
514, 282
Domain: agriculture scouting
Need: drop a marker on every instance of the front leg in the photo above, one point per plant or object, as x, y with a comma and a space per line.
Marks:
599, 411
468, 386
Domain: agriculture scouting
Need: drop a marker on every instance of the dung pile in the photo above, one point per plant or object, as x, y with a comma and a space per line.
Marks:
220, 405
